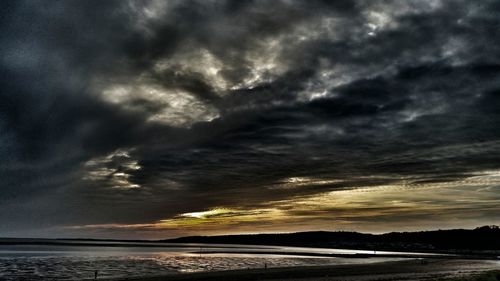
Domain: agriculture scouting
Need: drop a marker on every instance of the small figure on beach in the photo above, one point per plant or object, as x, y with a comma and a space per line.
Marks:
265, 265
95, 274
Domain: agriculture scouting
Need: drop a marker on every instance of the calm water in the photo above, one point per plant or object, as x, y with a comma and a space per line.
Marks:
25, 262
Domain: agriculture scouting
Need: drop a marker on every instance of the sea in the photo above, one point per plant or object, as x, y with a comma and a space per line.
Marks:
77, 260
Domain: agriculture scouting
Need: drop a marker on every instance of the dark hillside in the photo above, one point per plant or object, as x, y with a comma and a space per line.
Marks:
463, 240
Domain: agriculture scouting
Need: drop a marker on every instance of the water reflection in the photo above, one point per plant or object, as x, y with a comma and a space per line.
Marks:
48, 262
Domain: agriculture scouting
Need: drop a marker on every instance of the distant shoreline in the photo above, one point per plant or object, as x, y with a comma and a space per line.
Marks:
263, 249
478, 243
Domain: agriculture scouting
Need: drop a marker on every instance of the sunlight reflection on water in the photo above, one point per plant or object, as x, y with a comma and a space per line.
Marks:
33, 262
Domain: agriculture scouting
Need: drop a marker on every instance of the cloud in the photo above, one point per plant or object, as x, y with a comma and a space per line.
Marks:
133, 112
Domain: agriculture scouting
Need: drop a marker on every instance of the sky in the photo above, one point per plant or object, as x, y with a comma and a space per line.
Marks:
155, 119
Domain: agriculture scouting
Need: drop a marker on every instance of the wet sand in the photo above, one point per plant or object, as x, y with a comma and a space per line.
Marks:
412, 270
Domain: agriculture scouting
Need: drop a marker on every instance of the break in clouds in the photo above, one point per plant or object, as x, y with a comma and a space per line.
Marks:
166, 118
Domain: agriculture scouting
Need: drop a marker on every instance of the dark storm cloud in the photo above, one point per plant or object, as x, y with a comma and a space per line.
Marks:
136, 111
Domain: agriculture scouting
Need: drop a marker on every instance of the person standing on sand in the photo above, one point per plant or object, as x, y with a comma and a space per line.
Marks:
95, 275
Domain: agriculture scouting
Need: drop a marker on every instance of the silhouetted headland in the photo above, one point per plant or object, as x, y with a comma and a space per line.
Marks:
482, 240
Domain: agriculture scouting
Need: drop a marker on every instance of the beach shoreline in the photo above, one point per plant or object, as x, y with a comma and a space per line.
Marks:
415, 269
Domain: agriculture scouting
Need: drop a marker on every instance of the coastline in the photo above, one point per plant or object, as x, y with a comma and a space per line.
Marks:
415, 269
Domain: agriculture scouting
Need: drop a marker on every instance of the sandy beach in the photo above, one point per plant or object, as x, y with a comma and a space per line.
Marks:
429, 269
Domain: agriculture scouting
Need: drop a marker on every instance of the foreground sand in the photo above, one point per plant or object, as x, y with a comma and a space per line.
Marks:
400, 270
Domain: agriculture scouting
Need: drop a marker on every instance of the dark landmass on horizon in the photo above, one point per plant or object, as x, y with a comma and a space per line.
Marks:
485, 238
484, 241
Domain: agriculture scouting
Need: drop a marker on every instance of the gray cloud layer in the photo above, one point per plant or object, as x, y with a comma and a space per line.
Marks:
136, 111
